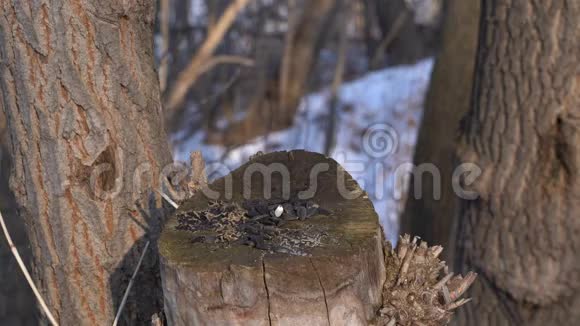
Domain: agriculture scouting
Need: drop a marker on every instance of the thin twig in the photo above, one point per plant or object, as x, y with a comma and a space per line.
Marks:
227, 85
26, 274
224, 59
131, 281
394, 31
169, 200
193, 70
126, 295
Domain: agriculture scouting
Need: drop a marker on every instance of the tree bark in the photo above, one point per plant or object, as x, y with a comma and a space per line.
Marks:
81, 98
521, 234
447, 101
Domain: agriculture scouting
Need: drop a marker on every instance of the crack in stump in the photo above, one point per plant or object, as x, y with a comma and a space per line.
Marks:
323, 290
267, 291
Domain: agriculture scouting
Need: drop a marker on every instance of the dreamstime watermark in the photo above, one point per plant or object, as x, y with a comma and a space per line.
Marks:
275, 179
380, 140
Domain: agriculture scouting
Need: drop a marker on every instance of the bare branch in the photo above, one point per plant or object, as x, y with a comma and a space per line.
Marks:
224, 59
389, 38
192, 72
169, 200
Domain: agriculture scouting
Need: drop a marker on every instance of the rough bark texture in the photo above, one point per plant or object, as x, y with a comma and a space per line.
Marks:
340, 283
82, 102
448, 100
521, 234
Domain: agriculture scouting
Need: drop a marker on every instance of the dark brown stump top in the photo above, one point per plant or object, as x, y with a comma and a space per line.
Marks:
348, 221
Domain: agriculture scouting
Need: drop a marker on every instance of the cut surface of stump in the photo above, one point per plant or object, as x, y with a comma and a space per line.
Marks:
221, 278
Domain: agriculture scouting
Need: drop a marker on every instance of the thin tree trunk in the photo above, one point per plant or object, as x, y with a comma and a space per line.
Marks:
81, 97
429, 217
521, 234
303, 44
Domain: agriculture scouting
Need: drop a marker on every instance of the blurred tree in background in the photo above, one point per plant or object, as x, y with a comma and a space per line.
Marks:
447, 102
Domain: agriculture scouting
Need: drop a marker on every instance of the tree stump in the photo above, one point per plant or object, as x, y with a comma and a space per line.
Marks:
337, 281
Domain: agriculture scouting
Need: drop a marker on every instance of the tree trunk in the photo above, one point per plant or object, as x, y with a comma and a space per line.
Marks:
521, 234
82, 102
429, 217
302, 47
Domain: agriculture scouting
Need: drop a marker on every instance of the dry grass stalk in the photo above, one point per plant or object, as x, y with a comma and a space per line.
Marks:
24, 270
169, 200
131, 281
195, 67
198, 174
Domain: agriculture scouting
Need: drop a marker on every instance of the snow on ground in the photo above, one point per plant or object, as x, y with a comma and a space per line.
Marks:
377, 123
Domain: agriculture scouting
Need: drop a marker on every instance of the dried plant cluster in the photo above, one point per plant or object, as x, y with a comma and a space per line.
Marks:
414, 292
257, 223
